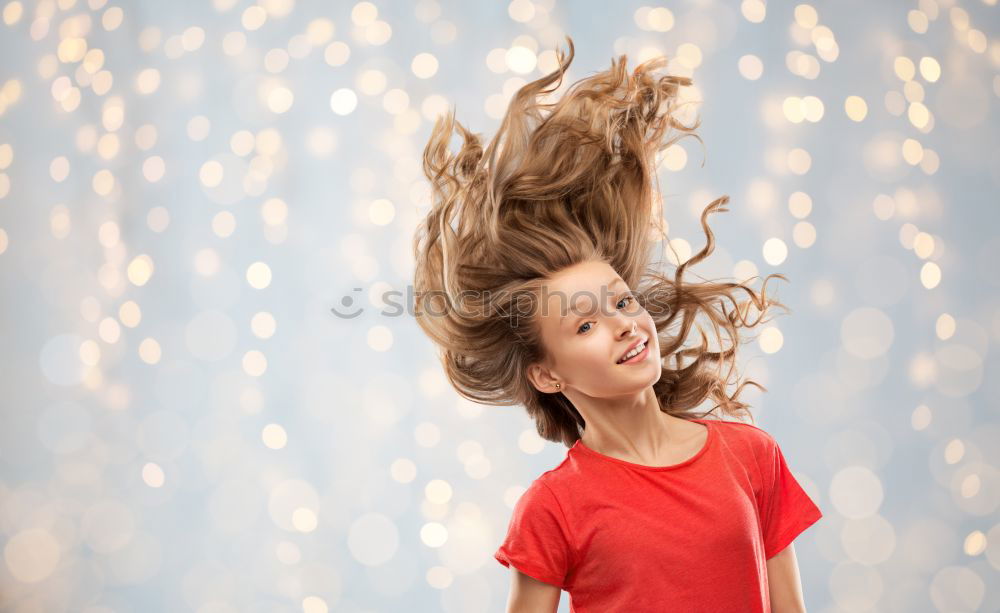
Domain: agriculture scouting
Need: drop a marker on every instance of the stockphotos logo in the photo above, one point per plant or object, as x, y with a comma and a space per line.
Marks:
514, 306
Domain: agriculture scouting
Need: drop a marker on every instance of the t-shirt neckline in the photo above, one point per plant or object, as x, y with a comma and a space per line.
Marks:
578, 445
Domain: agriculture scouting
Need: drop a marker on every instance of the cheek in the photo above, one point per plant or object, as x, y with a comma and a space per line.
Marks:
587, 355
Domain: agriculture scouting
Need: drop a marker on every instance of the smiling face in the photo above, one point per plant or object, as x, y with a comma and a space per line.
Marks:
590, 319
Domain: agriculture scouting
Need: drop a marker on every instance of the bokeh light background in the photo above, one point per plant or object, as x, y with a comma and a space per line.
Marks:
188, 188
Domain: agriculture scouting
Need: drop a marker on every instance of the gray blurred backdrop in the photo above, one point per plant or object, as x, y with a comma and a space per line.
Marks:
188, 188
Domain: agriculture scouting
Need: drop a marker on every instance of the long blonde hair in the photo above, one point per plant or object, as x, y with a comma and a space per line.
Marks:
559, 184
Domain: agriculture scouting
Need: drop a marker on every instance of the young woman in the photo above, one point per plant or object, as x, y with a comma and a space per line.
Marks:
533, 276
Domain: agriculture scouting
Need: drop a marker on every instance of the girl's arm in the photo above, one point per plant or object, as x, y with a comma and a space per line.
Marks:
784, 585
529, 595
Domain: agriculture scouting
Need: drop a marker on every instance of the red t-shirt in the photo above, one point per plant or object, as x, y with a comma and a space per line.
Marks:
694, 536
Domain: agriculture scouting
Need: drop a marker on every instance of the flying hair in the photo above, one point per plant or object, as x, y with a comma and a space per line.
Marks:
560, 183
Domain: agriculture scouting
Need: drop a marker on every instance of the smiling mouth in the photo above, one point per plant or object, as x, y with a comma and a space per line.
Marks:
631, 353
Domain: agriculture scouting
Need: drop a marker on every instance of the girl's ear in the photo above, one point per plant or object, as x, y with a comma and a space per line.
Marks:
542, 378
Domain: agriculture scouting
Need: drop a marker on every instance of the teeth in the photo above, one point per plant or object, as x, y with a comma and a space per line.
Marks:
634, 352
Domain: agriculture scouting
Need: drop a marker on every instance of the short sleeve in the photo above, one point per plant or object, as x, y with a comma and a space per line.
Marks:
786, 508
538, 542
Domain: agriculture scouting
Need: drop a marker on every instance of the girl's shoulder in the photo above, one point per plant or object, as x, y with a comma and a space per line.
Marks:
752, 437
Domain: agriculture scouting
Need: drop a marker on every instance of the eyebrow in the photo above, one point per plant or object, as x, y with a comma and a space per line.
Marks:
568, 318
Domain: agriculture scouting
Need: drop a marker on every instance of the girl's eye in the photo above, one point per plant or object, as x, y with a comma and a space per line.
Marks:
587, 323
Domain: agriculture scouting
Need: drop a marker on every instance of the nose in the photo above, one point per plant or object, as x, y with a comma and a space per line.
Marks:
629, 327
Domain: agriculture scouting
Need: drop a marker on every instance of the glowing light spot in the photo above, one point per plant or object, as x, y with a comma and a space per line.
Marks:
12, 13
207, 262
148, 81
688, 55
275, 60
804, 234
242, 142
975, 543
223, 224
371, 82
812, 108
903, 66
378, 33
775, 251
944, 326
930, 70
319, 31
438, 491
433, 534
918, 114
930, 275
799, 204
259, 275
364, 13
521, 59
253, 18
799, 161
395, 101
274, 436
129, 314
263, 325
149, 351
71, 50
314, 604
152, 475
103, 182
674, 157
954, 451
343, 101
280, 100
102, 82
921, 417
806, 16
521, 11
856, 492
659, 19
336, 53
109, 330
153, 169
751, 67
32, 555
59, 169
140, 269
93, 60
403, 470
424, 65
112, 18
770, 340
90, 353
753, 11
198, 128
304, 520
192, 38
917, 21
380, 338
254, 363
211, 173
234, 43
856, 108
381, 212
793, 109
145, 136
